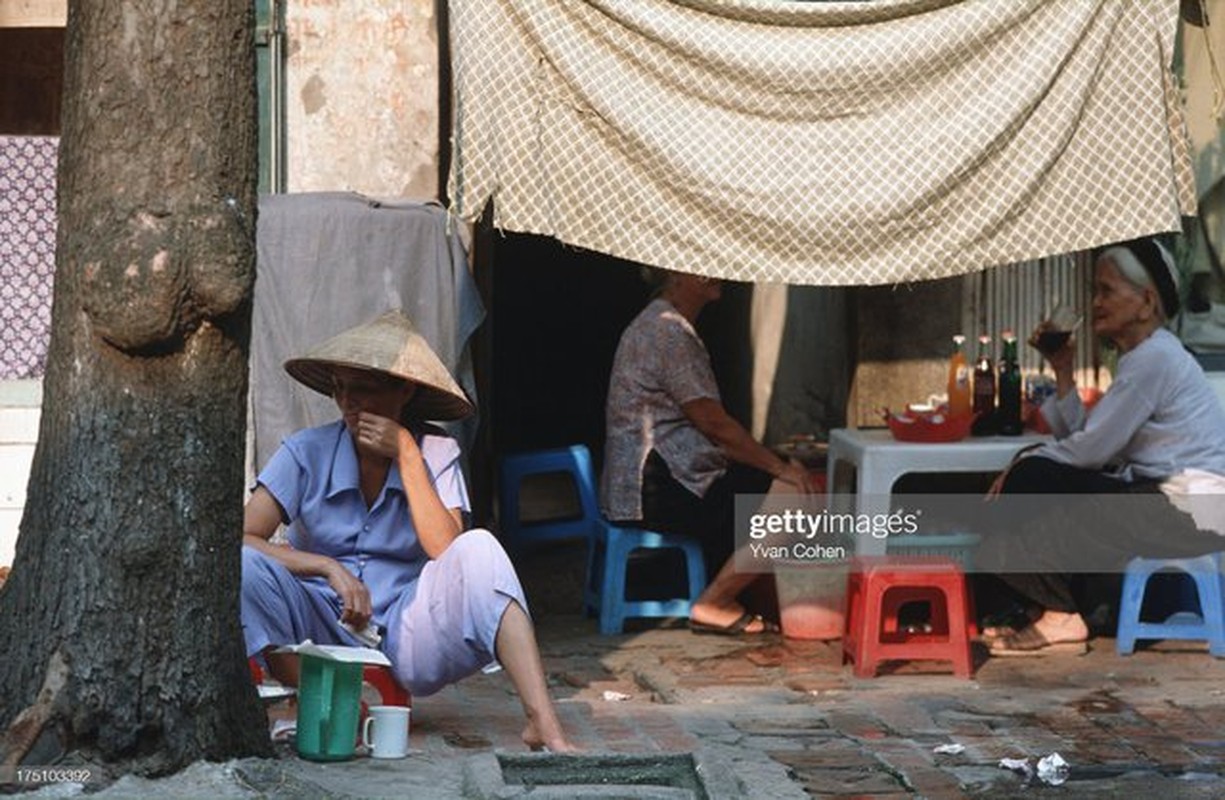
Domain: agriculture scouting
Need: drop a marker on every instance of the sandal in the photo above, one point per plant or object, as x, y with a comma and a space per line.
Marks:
995, 632
1030, 642
1005, 624
738, 627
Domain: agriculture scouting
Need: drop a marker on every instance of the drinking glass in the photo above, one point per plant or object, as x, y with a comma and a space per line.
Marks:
1063, 321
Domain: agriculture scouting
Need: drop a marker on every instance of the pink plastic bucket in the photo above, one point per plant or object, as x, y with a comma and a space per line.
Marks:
811, 599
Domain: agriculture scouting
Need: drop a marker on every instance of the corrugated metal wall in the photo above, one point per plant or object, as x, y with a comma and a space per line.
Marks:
1018, 296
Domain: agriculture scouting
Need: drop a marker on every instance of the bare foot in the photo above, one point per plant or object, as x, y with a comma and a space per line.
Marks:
724, 617
554, 743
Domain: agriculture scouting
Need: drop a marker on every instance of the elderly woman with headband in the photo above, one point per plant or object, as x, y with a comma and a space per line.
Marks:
375, 503
1158, 431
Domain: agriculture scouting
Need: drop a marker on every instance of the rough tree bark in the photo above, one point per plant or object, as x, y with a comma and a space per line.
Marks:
119, 623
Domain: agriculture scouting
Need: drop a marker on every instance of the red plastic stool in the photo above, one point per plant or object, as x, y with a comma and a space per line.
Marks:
879, 586
378, 676
390, 692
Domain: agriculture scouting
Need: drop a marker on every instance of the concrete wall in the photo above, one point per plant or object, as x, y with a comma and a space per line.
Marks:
19, 412
362, 97
33, 13
904, 339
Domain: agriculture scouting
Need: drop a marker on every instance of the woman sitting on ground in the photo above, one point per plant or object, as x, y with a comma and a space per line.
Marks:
674, 458
374, 503
1159, 429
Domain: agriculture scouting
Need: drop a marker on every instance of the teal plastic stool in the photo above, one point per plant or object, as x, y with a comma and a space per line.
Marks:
606, 575
1209, 624
574, 461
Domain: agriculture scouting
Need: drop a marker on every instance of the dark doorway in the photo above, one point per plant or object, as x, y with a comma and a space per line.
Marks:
31, 80
556, 315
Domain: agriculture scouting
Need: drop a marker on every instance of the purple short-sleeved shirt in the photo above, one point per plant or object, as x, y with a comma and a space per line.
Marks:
314, 478
661, 364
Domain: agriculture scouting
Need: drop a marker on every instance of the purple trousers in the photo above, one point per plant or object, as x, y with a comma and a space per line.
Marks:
441, 629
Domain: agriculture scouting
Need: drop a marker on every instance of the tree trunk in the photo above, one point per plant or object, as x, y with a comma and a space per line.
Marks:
119, 623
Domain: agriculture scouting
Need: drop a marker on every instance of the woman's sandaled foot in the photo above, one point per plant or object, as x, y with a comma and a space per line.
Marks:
1001, 626
993, 632
746, 624
1030, 641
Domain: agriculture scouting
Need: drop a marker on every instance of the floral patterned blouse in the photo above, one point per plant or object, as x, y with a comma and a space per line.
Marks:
660, 365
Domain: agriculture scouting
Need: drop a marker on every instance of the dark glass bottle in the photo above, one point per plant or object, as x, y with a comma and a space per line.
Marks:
984, 389
1009, 415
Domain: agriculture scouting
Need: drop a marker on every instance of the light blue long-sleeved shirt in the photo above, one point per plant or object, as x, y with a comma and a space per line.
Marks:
1159, 418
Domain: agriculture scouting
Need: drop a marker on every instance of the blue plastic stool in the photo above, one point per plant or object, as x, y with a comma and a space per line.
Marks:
606, 572
574, 461
1209, 625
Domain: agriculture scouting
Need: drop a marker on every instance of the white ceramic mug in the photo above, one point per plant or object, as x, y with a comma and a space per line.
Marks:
390, 739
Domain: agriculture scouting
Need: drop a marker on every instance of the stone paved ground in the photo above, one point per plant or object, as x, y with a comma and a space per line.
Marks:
789, 721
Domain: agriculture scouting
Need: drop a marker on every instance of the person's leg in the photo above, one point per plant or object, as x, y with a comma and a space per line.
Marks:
720, 605
1094, 529
1030, 550
1039, 475
519, 655
467, 611
668, 506
279, 609
282, 666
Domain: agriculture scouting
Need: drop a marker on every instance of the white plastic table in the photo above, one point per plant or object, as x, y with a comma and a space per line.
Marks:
879, 460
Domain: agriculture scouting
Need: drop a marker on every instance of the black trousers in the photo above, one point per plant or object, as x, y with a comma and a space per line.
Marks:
668, 507
1083, 526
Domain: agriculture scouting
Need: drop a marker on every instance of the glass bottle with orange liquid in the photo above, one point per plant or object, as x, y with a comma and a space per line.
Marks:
959, 380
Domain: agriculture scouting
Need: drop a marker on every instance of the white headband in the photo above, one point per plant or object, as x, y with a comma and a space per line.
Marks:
1146, 273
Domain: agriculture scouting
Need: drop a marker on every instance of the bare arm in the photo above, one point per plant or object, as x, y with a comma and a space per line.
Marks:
437, 526
709, 417
260, 519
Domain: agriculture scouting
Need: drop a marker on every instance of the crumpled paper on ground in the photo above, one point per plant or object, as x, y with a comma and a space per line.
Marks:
1020, 765
1052, 769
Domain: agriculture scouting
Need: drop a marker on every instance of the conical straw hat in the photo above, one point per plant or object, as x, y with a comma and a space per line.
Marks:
388, 344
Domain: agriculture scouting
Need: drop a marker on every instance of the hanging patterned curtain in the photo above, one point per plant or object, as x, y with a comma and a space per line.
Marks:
812, 143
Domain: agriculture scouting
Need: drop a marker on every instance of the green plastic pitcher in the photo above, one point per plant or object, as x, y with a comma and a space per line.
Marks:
329, 701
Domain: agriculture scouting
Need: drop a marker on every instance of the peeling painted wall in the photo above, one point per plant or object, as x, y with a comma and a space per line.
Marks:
362, 97
33, 13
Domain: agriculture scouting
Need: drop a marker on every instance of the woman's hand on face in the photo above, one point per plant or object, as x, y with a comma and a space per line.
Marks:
380, 436
354, 596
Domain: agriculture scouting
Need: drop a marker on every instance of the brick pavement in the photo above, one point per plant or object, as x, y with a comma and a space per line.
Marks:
789, 721
1154, 720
